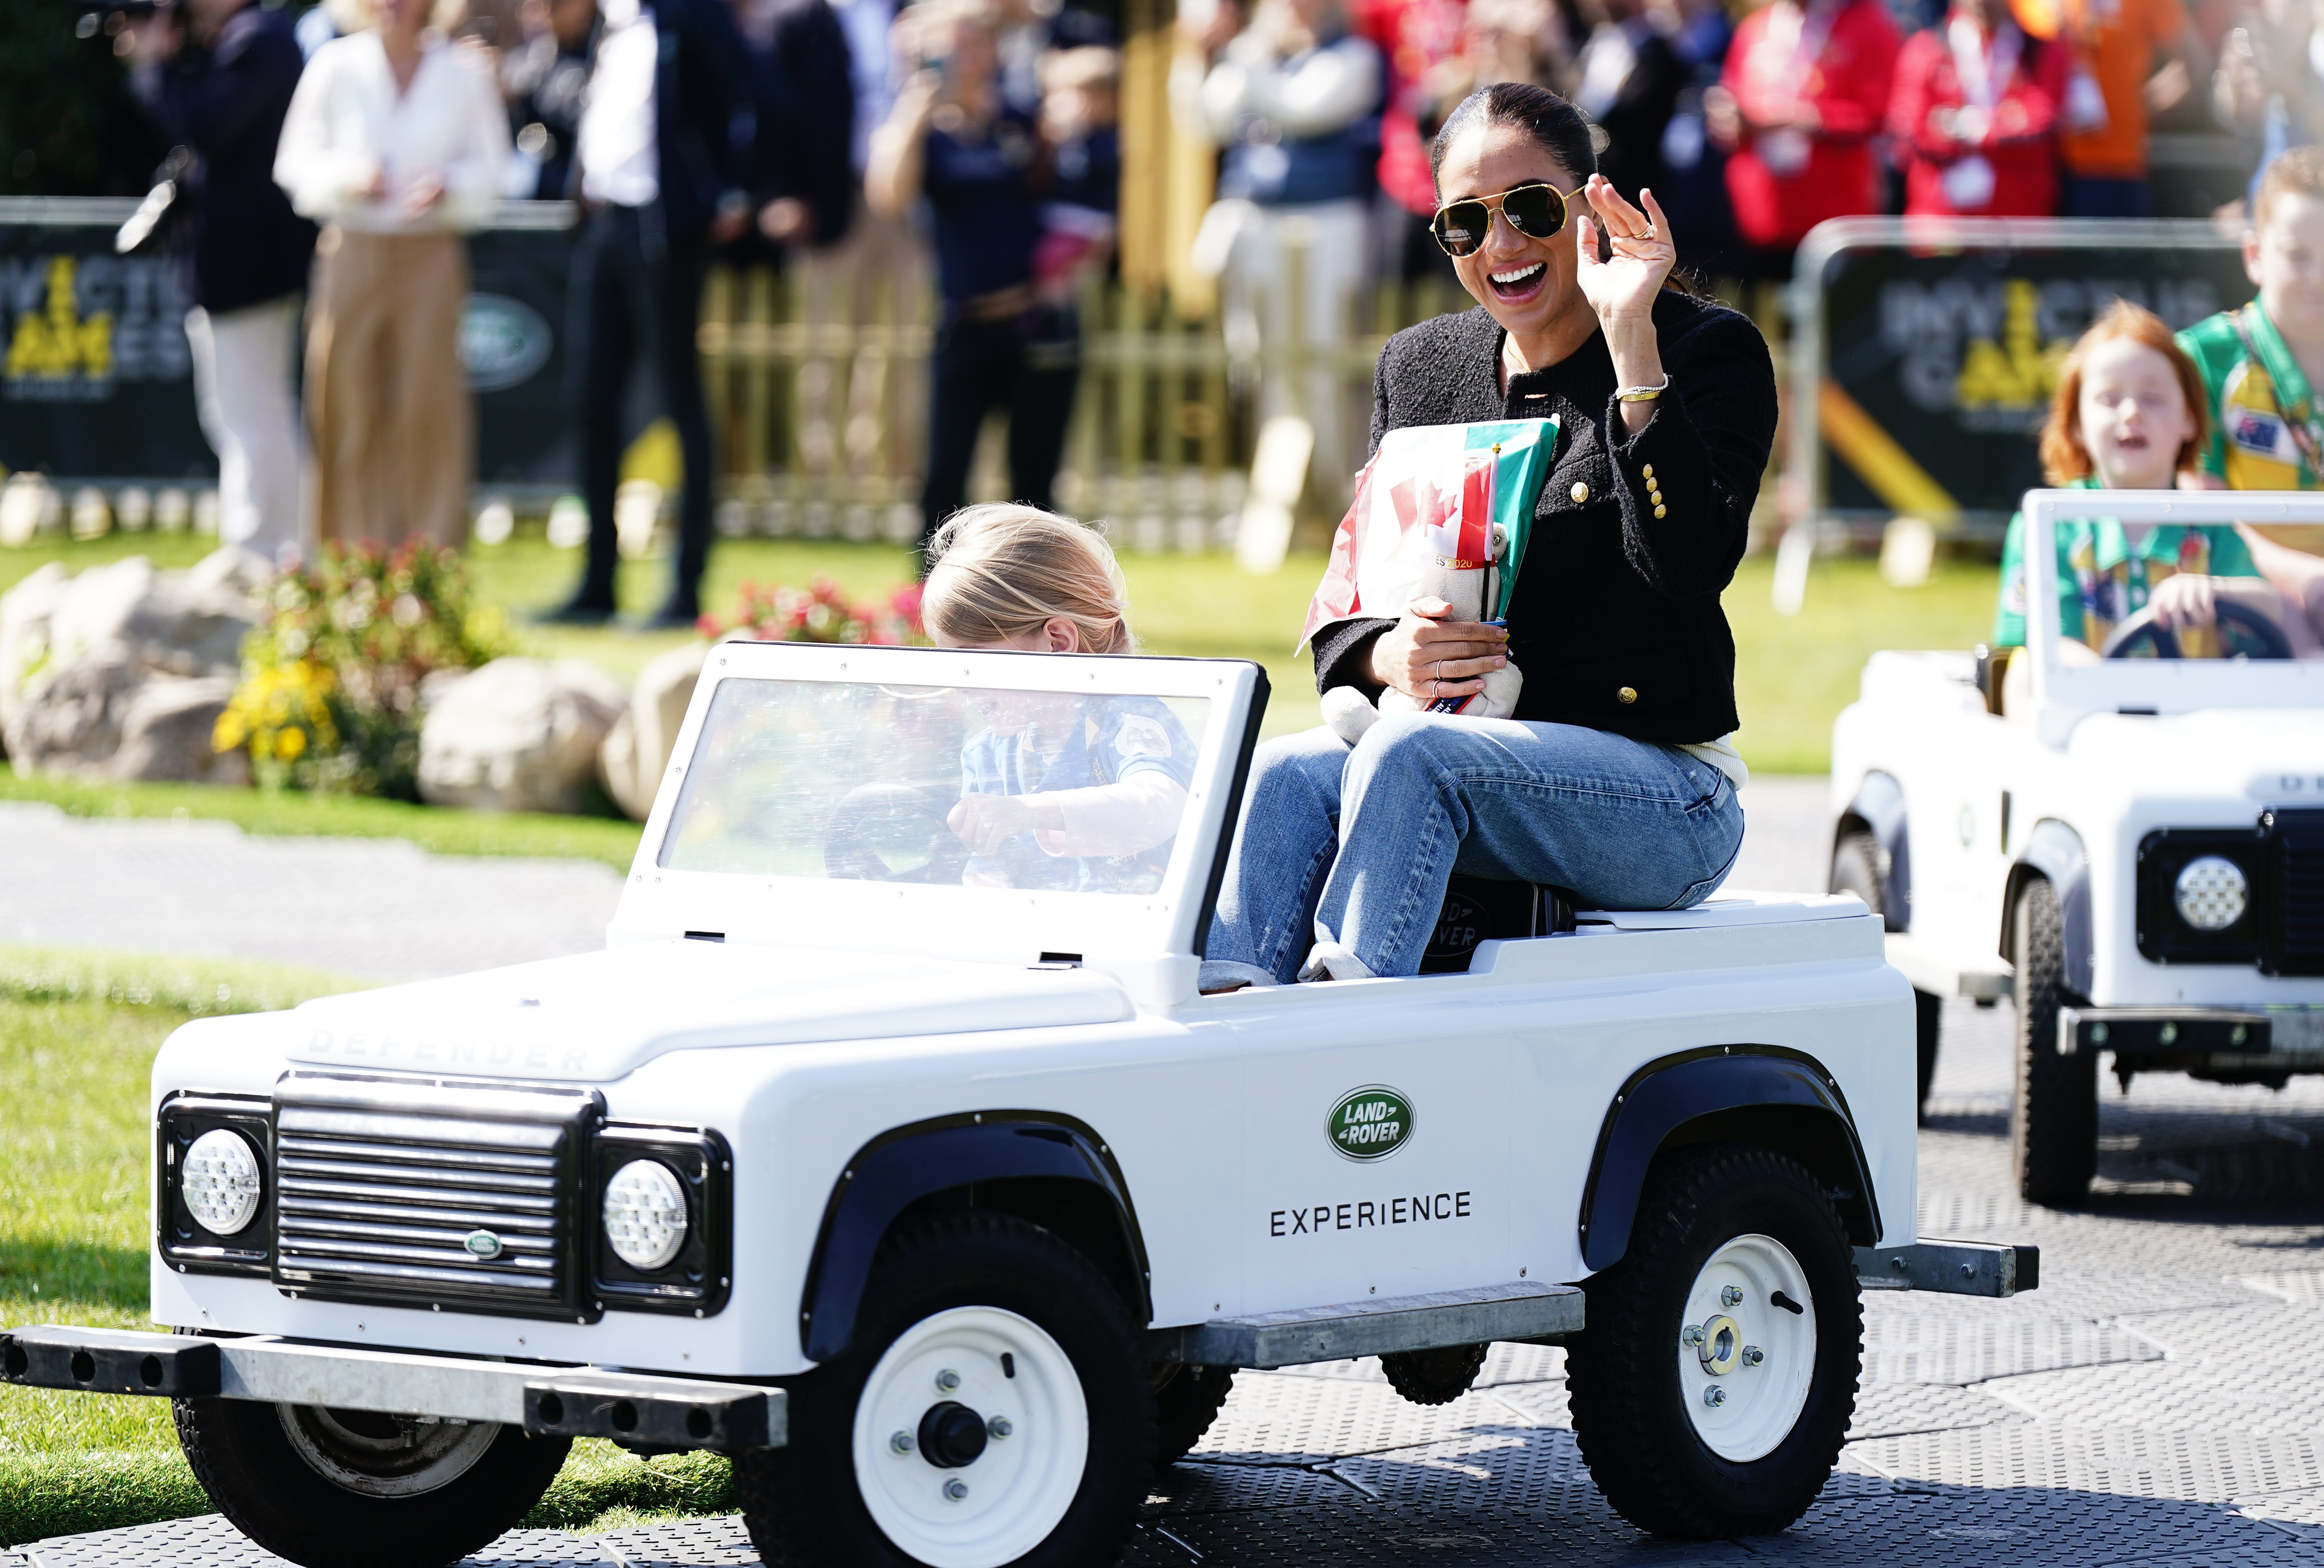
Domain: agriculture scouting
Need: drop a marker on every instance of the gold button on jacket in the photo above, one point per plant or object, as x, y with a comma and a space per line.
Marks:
1626, 695
1580, 492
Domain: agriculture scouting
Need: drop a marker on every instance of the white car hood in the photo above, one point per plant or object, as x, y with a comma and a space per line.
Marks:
596, 1017
2267, 756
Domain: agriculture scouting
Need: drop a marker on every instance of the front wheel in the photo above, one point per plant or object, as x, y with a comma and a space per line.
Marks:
1713, 1385
2054, 1116
354, 1488
993, 1408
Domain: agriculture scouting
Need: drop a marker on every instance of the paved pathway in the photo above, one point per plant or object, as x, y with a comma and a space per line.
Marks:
377, 909
2158, 1402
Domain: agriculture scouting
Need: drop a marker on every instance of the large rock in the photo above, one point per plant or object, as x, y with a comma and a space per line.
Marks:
520, 734
636, 752
121, 672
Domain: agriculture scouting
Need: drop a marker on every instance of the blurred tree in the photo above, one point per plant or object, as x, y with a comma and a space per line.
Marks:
67, 125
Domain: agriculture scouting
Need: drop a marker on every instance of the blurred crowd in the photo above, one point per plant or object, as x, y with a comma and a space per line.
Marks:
335, 158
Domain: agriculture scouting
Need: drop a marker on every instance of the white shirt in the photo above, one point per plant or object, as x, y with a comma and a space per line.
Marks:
619, 162
349, 123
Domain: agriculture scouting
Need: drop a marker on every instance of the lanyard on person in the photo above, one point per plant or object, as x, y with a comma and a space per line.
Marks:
2294, 399
1986, 67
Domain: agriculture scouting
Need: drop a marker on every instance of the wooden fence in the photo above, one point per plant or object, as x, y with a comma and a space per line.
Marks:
821, 422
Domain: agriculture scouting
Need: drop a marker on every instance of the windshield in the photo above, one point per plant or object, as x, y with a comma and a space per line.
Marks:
2214, 592
961, 786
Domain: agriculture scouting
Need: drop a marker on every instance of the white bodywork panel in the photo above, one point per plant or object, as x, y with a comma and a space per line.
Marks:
833, 1011
2222, 742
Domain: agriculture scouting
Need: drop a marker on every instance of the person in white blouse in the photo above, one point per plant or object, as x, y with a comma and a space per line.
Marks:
396, 142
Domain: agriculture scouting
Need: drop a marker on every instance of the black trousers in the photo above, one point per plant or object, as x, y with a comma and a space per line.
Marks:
1024, 364
637, 293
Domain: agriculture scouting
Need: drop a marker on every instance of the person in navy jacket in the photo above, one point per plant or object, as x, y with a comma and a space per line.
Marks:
666, 152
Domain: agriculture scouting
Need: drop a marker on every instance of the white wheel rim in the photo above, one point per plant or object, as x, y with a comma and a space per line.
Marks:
1017, 1492
1743, 1407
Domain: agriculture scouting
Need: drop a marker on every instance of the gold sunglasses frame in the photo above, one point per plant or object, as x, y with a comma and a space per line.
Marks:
1497, 203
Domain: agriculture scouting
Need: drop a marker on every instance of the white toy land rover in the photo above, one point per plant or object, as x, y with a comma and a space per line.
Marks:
2132, 845
930, 1185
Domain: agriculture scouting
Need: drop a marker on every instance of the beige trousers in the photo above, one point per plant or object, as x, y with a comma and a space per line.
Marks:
387, 406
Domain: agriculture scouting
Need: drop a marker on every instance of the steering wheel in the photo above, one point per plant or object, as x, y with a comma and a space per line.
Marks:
892, 833
2244, 634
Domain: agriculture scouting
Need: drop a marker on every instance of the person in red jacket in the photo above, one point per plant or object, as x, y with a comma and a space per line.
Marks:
1806, 87
1976, 103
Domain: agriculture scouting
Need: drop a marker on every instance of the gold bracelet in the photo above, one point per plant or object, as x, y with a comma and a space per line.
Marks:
1643, 394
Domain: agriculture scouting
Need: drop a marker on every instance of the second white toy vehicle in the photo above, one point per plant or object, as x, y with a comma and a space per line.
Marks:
2134, 852
930, 1185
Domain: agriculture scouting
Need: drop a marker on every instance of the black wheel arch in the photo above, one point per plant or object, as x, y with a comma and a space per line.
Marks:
1046, 1169
1878, 809
1767, 1095
2054, 852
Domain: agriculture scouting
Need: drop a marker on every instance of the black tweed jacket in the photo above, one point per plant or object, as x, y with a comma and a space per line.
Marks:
1616, 620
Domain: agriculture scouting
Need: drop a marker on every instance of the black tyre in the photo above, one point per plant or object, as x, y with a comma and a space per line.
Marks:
1856, 869
1433, 1376
350, 1489
1713, 1386
993, 1408
1187, 1400
2053, 1116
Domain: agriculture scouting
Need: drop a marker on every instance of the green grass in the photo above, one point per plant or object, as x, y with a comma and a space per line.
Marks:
84, 1027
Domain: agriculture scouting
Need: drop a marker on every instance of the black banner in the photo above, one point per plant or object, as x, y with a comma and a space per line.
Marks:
1940, 363
98, 382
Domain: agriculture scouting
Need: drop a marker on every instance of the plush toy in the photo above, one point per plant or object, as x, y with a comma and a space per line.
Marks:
1441, 511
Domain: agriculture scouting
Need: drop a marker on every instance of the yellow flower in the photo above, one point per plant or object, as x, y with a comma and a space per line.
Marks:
290, 745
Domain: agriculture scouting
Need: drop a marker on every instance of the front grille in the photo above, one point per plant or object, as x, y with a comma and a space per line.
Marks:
382, 1187
2297, 840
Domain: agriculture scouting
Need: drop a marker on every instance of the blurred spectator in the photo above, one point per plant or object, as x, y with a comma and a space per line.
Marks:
953, 139
1416, 38
1513, 40
1079, 125
1631, 79
1294, 99
2270, 84
397, 140
217, 76
1804, 90
666, 144
804, 180
2112, 86
1977, 109
1694, 191
545, 79
1026, 32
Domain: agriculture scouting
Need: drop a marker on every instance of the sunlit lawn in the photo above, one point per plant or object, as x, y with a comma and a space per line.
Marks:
83, 1029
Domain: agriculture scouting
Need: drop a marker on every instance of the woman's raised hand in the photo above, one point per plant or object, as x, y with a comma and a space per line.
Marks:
1425, 655
1623, 287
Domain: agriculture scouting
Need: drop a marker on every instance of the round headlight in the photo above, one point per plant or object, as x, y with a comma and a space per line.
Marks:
645, 1215
2211, 893
221, 1181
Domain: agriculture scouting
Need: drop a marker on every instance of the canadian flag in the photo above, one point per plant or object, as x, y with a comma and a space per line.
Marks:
1431, 495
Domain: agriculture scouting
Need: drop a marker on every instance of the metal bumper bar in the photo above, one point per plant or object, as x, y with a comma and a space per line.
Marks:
1952, 1268
1517, 1311
557, 1401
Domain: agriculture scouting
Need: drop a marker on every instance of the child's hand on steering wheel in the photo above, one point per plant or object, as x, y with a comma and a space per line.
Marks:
2188, 600
982, 821
1427, 656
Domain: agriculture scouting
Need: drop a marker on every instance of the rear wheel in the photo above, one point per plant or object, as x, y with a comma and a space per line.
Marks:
1856, 869
2054, 1116
1187, 1400
992, 1409
354, 1489
1713, 1384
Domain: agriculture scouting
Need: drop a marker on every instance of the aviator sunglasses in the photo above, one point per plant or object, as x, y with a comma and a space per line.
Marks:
1538, 211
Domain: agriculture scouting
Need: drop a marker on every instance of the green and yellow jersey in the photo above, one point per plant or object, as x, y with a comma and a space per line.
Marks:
2107, 572
2264, 433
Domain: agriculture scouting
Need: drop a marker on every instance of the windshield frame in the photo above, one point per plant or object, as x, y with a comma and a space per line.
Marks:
1109, 930
2064, 694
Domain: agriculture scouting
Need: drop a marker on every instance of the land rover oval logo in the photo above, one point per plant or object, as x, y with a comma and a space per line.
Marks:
1370, 1123
482, 1244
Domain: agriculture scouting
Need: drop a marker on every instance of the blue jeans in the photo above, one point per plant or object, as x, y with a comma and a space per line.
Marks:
1345, 851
